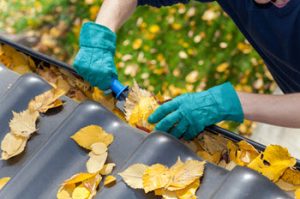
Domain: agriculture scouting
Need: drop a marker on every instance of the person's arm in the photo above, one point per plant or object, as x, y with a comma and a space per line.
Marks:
114, 13
281, 110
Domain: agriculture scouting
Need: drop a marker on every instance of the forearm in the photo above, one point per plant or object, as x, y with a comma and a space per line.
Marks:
281, 110
114, 13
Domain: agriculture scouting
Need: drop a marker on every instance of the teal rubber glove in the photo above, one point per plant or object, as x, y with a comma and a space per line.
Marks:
95, 59
187, 115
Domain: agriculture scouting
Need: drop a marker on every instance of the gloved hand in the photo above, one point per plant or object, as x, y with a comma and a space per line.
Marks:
95, 59
187, 115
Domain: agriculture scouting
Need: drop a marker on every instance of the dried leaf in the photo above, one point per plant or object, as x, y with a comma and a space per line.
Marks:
81, 185
99, 148
4, 181
189, 192
92, 184
139, 105
107, 169
297, 194
155, 177
222, 67
132, 176
292, 176
80, 193
214, 158
185, 173
62, 84
229, 166
47, 100
12, 145
213, 143
89, 135
109, 180
192, 77
96, 162
24, 123
273, 162
106, 100
247, 152
78, 178
286, 186
65, 192
165, 194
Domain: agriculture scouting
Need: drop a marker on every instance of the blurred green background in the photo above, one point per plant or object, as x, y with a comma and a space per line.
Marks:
172, 50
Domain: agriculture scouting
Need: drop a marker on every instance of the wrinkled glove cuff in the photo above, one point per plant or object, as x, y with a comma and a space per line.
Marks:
228, 102
97, 36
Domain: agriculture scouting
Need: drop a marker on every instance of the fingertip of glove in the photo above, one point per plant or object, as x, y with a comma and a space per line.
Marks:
151, 120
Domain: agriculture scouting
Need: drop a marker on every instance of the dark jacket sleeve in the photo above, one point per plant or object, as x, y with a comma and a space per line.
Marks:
159, 3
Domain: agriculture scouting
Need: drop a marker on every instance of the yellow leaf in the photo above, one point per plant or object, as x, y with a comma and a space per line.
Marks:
92, 184
297, 194
107, 169
12, 145
87, 181
292, 176
233, 152
65, 192
133, 175
286, 186
229, 166
99, 148
109, 180
106, 100
154, 29
137, 44
96, 162
138, 106
15, 60
185, 173
222, 67
273, 162
80, 193
155, 177
62, 84
89, 135
4, 181
176, 26
189, 192
168, 194
47, 100
214, 158
209, 15
24, 123
244, 47
165, 193
247, 152
192, 77
79, 178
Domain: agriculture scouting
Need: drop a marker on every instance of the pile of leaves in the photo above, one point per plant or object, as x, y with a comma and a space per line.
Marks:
23, 124
179, 181
85, 185
275, 162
